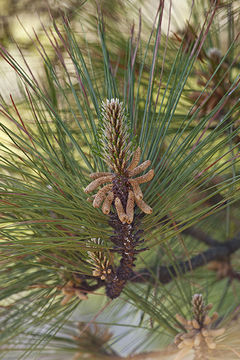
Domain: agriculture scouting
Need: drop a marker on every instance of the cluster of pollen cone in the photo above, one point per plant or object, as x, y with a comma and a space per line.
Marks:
123, 171
199, 335
105, 196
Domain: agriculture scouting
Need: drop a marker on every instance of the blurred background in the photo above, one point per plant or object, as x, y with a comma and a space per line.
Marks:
21, 21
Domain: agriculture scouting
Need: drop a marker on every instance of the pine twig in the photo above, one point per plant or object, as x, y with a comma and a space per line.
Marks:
167, 273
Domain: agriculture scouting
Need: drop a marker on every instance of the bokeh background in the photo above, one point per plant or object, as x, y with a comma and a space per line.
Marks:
21, 21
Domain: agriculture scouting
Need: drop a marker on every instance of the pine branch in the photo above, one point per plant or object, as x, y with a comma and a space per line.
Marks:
167, 273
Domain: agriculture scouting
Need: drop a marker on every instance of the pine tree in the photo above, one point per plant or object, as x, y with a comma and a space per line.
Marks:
120, 189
